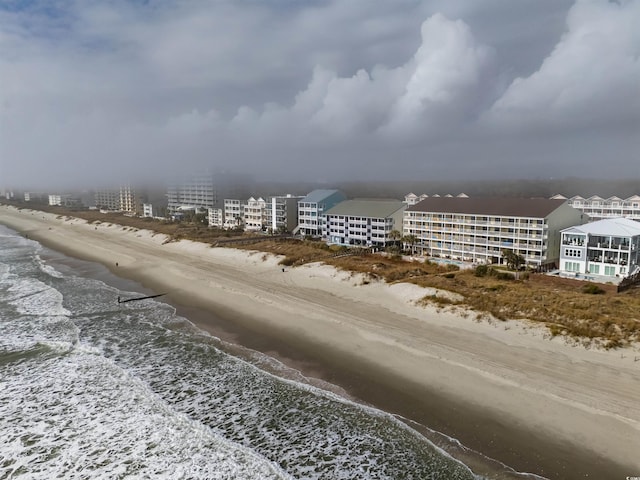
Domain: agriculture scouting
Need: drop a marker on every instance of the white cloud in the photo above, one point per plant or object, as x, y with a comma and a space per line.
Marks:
448, 78
592, 77
445, 80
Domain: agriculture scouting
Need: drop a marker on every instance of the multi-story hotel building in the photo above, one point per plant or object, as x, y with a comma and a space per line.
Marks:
311, 208
193, 192
607, 248
107, 199
123, 199
129, 200
477, 230
363, 222
599, 208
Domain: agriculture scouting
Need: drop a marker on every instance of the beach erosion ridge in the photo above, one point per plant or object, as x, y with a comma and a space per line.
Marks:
538, 405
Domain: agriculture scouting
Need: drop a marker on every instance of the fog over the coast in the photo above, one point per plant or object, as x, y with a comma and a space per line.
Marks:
95, 91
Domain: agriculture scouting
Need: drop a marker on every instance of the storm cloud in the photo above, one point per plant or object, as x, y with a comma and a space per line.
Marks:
98, 92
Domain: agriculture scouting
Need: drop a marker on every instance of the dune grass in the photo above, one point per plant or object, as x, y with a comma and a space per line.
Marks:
568, 308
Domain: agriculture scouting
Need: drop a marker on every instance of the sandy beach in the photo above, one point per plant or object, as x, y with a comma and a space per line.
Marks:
503, 388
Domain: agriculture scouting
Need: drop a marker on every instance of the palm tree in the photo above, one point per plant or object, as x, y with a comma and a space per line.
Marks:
395, 235
411, 240
513, 260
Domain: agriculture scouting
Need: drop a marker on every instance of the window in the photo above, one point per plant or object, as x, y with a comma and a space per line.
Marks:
609, 271
572, 266
595, 269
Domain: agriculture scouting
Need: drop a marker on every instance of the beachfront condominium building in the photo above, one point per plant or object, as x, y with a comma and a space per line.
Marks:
64, 200
255, 218
191, 193
412, 198
366, 223
123, 199
107, 199
36, 197
215, 217
282, 213
311, 208
130, 202
147, 210
602, 250
233, 213
478, 230
598, 208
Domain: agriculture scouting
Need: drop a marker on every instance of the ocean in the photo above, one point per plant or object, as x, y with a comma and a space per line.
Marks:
90, 388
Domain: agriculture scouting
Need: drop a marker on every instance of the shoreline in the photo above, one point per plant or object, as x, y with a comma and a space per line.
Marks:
534, 404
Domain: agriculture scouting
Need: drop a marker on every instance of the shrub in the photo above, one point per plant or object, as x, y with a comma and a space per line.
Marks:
501, 275
287, 261
592, 289
481, 271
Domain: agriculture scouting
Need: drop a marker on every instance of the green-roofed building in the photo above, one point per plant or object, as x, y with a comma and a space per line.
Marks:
365, 223
311, 209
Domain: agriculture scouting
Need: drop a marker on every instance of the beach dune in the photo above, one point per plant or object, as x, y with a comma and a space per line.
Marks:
548, 405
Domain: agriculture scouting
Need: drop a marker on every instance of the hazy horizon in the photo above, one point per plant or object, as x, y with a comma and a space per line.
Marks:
541, 188
321, 91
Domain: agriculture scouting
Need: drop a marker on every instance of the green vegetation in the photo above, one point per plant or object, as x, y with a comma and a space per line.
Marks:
513, 260
592, 289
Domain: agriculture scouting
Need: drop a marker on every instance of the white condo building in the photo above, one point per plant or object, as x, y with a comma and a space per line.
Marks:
365, 223
147, 210
192, 193
129, 201
311, 209
215, 218
255, 219
64, 200
599, 208
477, 230
107, 199
282, 212
122, 199
233, 213
607, 248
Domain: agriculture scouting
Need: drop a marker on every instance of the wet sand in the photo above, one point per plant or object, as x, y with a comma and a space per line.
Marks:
537, 405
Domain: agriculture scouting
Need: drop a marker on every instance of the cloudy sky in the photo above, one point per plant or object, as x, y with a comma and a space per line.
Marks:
94, 90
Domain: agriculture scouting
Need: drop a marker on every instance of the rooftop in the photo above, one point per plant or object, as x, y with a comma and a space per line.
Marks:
366, 208
620, 227
318, 195
499, 206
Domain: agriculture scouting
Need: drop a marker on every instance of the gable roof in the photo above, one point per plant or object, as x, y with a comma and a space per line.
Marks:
318, 195
366, 208
620, 227
499, 206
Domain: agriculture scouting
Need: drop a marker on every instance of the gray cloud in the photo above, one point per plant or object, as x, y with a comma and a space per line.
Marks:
97, 91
